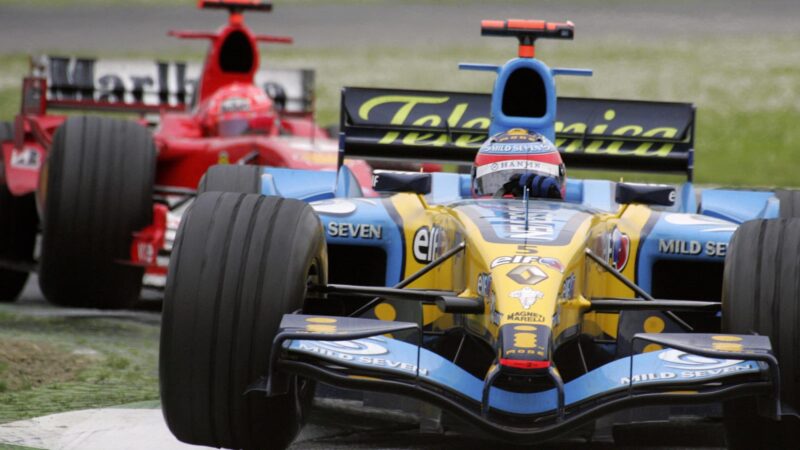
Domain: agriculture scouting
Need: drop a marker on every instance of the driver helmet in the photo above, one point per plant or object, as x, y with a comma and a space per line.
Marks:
509, 160
236, 109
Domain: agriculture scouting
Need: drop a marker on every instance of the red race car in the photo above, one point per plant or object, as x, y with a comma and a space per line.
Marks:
107, 193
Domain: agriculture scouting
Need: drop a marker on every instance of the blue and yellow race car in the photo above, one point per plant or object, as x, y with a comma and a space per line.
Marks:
530, 318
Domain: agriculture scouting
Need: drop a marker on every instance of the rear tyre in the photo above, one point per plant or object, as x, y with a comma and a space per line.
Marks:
231, 178
98, 190
761, 295
790, 203
18, 225
240, 263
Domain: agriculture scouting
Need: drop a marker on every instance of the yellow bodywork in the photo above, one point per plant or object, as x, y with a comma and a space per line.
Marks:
513, 298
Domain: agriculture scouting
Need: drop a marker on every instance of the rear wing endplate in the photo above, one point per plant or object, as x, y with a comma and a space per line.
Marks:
602, 134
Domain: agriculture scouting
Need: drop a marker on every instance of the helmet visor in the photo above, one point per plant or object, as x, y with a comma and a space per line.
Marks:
233, 127
492, 177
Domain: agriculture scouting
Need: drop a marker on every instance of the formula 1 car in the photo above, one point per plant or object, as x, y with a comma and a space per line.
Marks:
531, 319
110, 193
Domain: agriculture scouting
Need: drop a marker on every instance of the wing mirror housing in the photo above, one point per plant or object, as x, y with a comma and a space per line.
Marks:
396, 181
648, 194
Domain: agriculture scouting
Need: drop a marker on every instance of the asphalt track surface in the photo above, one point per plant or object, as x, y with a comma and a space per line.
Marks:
402, 24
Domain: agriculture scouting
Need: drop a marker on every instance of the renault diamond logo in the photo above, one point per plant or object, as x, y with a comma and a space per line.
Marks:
525, 274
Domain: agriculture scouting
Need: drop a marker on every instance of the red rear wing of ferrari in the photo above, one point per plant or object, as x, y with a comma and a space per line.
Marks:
140, 86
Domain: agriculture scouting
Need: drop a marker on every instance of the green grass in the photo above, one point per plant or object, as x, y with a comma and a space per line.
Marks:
746, 90
76, 363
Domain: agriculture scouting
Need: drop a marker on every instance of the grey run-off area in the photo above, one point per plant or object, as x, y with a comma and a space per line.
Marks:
385, 23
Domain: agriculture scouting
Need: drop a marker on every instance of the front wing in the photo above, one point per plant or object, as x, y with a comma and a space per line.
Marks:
356, 353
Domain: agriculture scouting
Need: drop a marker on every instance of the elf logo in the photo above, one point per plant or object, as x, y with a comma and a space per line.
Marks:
426, 241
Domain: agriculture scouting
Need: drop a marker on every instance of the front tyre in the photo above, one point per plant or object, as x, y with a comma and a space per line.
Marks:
790, 203
97, 192
231, 178
761, 295
240, 263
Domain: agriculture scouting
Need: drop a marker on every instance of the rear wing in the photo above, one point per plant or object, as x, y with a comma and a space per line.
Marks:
141, 86
600, 134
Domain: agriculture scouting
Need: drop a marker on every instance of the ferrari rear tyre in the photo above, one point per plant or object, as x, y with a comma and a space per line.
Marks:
790, 202
241, 261
18, 226
98, 190
231, 178
761, 295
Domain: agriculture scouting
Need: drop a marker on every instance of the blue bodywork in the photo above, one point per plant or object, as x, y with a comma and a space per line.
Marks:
401, 357
686, 231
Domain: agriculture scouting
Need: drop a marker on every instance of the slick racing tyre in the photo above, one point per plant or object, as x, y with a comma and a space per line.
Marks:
231, 178
761, 295
241, 261
790, 203
18, 225
97, 191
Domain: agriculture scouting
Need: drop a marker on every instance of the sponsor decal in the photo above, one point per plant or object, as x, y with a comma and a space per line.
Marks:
422, 110
692, 248
610, 146
235, 104
525, 316
324, 325
506, 222
518, 135
619, 250
578, 118
360, 351
527, 274
527, 249
368, 346
568, 288
484, 284
527, 296
518, 164
334, 207
530, 148
727, 343
688, 366
153, 83
712, 224
681, 360
426, 241
354, 230
512, 225
145, 252
552, 263
27, 158
485, 291
525, 341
